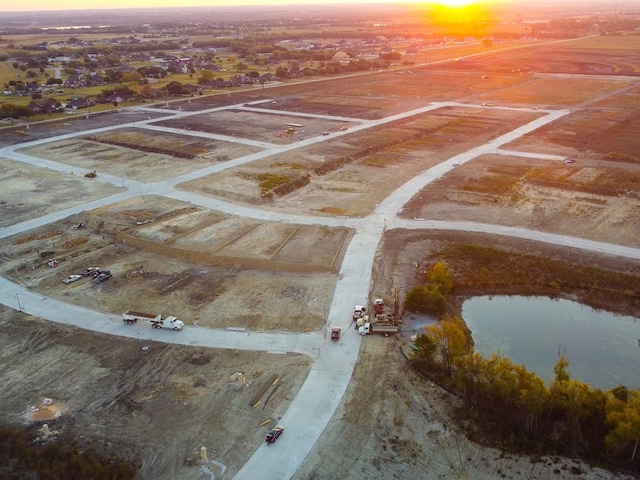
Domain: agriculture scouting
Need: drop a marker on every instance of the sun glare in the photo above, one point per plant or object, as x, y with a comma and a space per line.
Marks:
455, 3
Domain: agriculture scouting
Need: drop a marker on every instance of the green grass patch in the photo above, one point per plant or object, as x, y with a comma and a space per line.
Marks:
267, 181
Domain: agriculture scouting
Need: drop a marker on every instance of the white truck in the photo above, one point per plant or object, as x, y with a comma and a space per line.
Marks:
358, 312
385, 330
131, 316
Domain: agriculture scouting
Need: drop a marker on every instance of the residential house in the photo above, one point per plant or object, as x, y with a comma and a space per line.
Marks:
47, 105
118, 97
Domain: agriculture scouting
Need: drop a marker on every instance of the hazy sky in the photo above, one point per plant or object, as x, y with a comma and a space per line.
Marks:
57, 5
43, 5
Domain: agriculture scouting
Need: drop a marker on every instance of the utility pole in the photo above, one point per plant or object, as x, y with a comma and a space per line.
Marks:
396, 300
19, 306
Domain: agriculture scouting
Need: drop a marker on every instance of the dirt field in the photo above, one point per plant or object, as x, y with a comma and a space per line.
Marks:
125, 396
225, 271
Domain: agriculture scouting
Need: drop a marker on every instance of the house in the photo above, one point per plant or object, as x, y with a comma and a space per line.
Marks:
80, 102
177, 67
341, 57
47, 105
125, 69
118, 97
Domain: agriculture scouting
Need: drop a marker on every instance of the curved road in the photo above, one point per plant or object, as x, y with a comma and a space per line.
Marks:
333, 364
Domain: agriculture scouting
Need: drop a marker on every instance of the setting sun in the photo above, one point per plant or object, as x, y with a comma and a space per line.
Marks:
455, 3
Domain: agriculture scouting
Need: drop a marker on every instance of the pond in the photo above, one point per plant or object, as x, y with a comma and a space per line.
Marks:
603, 349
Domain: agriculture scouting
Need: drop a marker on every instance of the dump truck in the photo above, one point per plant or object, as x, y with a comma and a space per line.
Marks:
131, 316
385, 330
335, 333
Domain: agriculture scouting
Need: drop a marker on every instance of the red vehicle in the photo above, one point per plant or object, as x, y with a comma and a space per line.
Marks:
335, 333
378, 306
274, 433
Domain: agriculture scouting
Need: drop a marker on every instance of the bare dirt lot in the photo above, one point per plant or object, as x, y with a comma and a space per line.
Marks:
201, 266
162, 404
149, 402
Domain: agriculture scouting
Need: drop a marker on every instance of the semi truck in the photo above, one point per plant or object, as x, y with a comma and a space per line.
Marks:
385, 330
131, 316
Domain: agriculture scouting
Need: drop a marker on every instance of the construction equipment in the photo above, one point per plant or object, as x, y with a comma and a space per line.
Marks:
378, 306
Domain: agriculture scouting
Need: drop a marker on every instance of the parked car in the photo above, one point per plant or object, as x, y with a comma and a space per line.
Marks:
274, 433
105, 275
71, 279
89, 272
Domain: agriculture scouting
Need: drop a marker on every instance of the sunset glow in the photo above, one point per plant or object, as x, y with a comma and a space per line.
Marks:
455, 3
45, 5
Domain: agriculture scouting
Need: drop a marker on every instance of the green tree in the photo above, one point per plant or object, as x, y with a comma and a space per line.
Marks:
440, 278
425, 299
282, 72
561, 369
424, 357
9, 110
624, 419
450, 340
206, 76
131, 77
175, 88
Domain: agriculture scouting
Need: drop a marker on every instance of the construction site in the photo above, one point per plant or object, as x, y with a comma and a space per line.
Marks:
189, 412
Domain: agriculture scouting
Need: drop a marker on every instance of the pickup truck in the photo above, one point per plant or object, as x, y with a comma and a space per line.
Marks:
359, 312
102, 276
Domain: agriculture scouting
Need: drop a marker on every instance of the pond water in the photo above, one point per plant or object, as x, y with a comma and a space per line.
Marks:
603, 349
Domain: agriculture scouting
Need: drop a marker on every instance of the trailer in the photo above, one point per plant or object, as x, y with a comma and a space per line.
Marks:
386, 330
130, 316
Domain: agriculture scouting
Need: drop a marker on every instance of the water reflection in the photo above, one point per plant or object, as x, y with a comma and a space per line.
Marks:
603, 349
